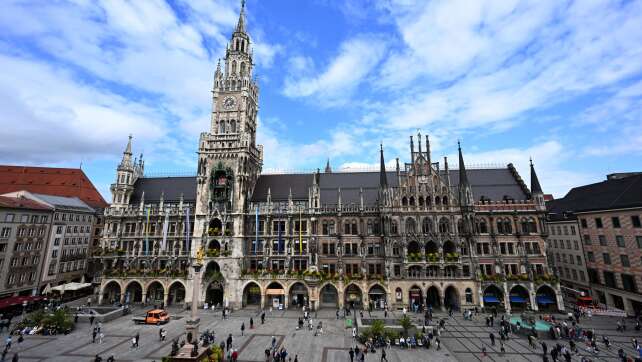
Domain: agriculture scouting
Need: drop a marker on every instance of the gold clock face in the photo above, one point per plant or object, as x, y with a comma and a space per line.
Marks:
229, 103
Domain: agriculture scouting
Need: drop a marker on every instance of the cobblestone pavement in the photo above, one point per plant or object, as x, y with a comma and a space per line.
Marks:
333, 345
462, 340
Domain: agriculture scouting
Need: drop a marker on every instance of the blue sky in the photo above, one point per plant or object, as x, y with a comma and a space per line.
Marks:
557, 81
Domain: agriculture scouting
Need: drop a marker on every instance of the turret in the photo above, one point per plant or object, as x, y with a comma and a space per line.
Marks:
328, 169
428, 161
537, 195
465, 191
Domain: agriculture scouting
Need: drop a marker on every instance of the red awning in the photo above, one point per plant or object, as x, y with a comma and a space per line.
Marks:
585, 298
18, 300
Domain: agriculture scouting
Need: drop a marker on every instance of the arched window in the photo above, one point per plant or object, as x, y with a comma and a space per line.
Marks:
532, 226
412, 201
410, 226
445, 200
242, 69
236, 45
500, 226
482, 228
221, 127
426, 226
404, 201
394, 228
421, 201
469, 295
233, 69
428, 201
444, 226
233, 126
437, 200
508, 226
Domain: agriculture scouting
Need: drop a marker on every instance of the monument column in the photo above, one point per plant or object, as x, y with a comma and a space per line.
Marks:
191, 326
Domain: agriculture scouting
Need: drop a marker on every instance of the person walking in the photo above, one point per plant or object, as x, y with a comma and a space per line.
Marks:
492, 339
91, 320
101, 337
337, 314
98, 359
160, 334
273, 342
229, 341
251, 323
296, 358
544, 347
502, 349
15, 358
94, 333
137, 339
351, 353
383, 355
263, 318
242, 328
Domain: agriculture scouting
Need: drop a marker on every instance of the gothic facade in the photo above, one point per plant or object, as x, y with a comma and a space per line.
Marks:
421, 234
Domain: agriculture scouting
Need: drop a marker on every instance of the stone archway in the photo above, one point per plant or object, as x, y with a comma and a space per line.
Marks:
176, 293
155, 293
493, 295
415, 297
519, 298
251, 294
298, 295
111, 292
451, 298
133, 292
329, 296
215, 293
353, 296
546, 298
432, 297
377, 296
275, 294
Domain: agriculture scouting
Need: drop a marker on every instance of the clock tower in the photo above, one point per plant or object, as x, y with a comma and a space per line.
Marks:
229, 160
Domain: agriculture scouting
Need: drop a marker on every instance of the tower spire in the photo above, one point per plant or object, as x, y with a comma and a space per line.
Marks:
412, 151
535, 186
465, 191
328, 169
463, 177
240, 26
127, 154
383, 180
428, 161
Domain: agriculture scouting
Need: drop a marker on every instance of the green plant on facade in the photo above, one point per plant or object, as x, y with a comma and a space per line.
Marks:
213, 253
432, 257
450, 257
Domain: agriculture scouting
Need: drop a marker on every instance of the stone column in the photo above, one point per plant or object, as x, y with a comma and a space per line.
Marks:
191, 325
506, 298
165, 299
533, 299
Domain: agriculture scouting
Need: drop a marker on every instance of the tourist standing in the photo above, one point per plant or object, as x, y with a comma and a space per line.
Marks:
242, 328
251, 323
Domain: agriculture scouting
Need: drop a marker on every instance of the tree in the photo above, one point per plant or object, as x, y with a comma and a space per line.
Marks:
377, 328
406, 324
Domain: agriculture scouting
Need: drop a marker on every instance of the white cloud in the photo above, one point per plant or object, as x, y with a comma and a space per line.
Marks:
48, 116
355, 60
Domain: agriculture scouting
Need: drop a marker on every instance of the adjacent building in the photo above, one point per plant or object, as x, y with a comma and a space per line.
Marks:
609, 217
55, 181
565, 250
24, 229
67, 244
421, 234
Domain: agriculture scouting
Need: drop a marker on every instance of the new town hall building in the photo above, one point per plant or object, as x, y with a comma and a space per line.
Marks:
421, 234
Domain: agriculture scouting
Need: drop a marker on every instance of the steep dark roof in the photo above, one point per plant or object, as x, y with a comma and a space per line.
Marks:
491, 183
610, 194
329, 183
171, 186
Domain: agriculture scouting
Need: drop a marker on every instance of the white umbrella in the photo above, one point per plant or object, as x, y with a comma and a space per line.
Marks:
47, 289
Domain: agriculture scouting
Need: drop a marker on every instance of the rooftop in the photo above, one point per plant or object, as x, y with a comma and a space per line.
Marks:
68, 182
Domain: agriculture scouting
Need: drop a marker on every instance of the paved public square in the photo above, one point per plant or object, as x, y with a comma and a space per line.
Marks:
462, 340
